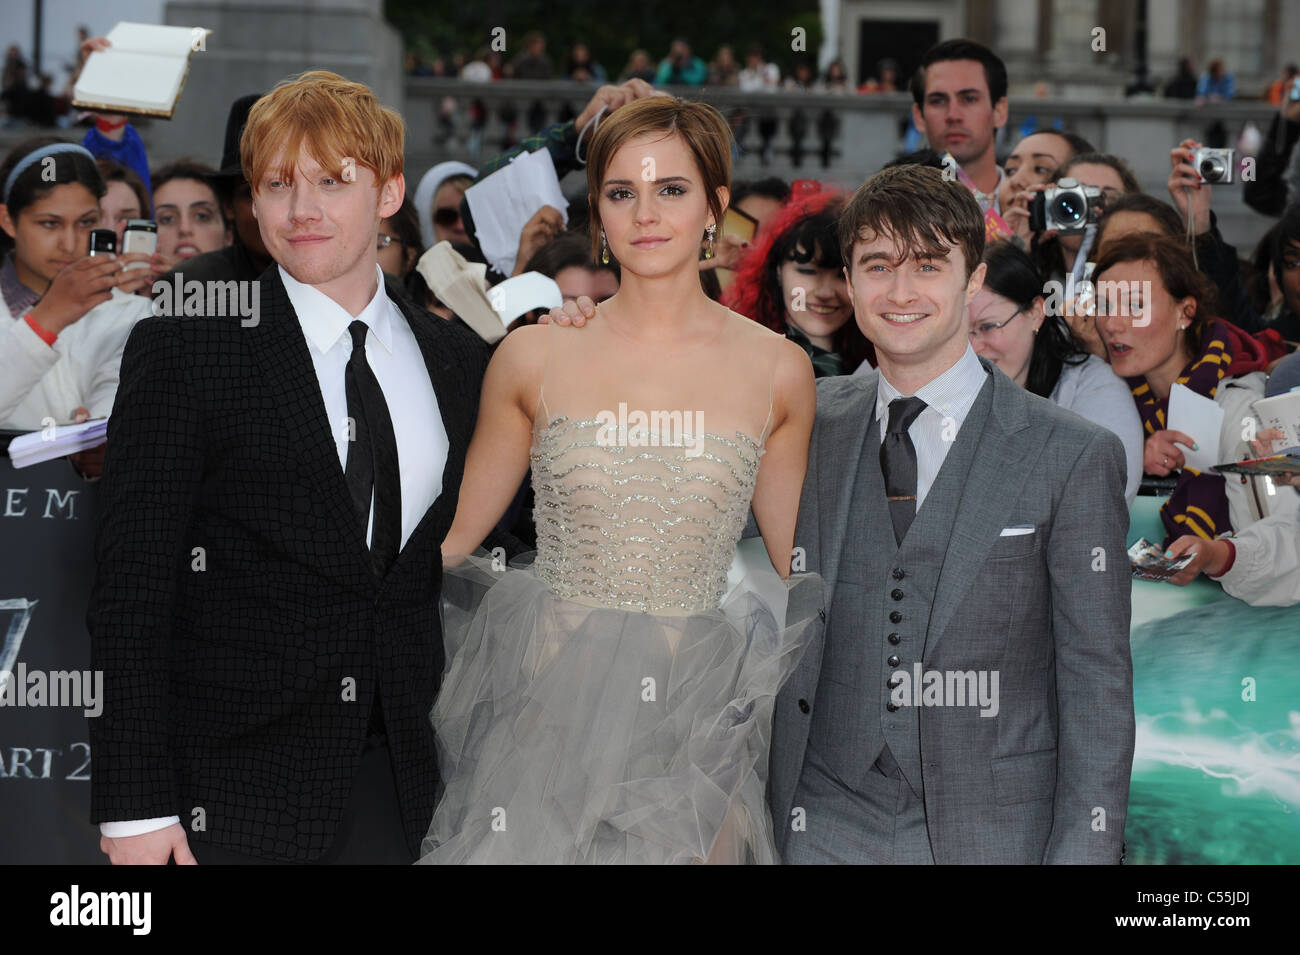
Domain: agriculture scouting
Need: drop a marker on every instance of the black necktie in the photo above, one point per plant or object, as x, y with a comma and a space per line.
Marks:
372, 457
898, 464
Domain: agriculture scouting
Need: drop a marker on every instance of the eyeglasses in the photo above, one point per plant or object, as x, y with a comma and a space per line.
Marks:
985, 329
447, 216
384, 241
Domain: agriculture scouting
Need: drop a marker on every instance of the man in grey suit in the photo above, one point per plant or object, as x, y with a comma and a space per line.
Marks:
972, 701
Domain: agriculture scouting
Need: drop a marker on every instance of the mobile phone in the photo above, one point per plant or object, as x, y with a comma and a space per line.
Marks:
1295, 90
735, 222
103, 242
141, 235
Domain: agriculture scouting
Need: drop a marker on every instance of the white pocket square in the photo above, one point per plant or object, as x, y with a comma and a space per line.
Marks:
1017, 531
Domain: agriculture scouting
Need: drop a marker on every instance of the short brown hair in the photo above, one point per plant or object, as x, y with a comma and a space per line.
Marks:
1178, 273
924, 212
334, 117
701, 126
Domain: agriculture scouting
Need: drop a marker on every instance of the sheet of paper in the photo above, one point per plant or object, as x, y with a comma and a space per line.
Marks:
1281, 411
504, 202
46, 445
523, 293
1199, 418
152, 38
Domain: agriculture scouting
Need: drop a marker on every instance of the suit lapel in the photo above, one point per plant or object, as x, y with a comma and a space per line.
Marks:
991, 490
280, 349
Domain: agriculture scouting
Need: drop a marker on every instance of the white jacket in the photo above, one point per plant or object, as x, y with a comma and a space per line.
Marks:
1249, 500
1266, 527
80, 369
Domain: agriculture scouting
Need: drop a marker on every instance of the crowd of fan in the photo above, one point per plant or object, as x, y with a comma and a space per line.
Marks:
1223, 327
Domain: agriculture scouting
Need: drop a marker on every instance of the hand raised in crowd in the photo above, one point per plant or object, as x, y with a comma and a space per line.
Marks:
615, 96
1081, 315
572, 312
1191, 196
1270, 441
1160, 455
150, 848
89, 463
727, 250
1016, 214
160, 264
537, 231
135, 281
76, 289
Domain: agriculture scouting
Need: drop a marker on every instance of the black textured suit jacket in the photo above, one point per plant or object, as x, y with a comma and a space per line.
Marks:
235, 615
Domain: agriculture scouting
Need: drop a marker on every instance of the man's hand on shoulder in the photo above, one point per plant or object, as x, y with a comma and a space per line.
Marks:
150, 848
572, 312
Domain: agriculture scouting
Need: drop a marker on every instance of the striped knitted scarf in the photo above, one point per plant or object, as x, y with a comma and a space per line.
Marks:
1199, 502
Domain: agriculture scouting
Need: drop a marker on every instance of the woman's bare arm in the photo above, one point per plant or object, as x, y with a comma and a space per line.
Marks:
780, 476
497, 459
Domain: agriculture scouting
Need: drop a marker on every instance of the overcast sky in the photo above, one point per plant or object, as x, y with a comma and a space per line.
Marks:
59, 26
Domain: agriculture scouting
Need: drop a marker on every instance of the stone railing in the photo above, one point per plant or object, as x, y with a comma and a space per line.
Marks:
841, 138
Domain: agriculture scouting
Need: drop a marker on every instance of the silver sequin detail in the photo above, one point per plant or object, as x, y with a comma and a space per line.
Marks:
648, 529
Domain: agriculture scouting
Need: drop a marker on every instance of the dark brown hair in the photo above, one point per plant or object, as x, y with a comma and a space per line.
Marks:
703, 129
1178, 274
924, 212
116, 172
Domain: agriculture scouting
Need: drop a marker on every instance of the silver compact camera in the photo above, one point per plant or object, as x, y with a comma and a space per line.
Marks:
1068, 207
1213, 165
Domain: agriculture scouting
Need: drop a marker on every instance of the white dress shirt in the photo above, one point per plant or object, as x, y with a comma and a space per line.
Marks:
395, 357
948, 400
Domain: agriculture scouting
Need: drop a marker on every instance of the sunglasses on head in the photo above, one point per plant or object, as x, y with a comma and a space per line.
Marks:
446, 216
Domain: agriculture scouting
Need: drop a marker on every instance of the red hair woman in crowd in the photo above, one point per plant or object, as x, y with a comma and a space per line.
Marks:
792, 281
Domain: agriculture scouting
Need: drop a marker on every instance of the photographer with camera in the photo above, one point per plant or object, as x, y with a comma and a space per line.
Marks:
1195, 170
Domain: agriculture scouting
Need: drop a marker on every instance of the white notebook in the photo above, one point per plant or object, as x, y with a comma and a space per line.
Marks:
142, 72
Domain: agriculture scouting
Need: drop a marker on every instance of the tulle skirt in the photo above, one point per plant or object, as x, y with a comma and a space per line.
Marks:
572, 733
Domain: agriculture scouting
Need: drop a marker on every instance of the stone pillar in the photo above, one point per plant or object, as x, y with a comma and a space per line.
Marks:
255, 44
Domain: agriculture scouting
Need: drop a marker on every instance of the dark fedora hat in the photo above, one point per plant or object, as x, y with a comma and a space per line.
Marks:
230, 165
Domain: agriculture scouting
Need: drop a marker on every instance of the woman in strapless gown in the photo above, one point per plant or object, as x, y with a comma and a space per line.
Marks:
610, 700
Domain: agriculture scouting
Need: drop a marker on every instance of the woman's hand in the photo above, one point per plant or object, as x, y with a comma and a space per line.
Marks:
1191, 196
77, 289
1016, 213
537, 231
1160, 455
1208, 557
727, 250
89, 463
1266, 443
137, 280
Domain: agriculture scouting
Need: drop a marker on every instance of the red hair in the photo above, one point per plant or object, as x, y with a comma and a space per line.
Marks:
752, 294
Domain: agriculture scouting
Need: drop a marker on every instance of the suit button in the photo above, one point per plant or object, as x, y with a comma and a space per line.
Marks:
896, 594
894, 681
895, 639
895, 617
893, 661
898, 573
892, 707
803, 706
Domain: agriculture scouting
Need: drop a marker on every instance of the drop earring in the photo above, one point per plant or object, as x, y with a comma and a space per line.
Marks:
708, 254
604, 249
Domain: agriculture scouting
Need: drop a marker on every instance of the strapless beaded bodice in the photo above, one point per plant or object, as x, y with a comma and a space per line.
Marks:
636, 525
